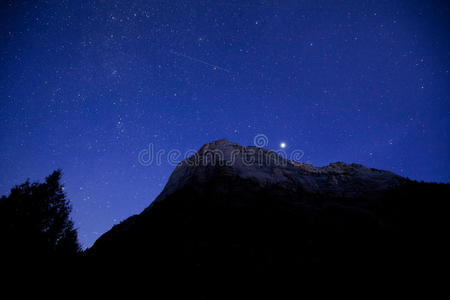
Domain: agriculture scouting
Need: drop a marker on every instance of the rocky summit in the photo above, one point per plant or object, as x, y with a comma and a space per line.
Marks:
263, 168
233, 207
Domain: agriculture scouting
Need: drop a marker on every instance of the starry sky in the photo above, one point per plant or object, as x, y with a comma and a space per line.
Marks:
85, 86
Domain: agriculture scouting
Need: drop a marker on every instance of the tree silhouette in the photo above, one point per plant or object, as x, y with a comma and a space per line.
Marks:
35, 221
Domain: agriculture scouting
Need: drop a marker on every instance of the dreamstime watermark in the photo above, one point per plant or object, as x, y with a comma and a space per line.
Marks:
215, 155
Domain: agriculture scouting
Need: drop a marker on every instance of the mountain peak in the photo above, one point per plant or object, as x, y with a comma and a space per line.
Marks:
264, 167
231, 206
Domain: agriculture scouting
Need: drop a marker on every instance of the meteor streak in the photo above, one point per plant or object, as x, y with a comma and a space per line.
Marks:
215, 67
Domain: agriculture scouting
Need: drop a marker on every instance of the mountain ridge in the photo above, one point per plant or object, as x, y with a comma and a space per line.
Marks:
248, 163
223, 208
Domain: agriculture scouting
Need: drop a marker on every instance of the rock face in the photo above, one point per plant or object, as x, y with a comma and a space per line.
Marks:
263, 167
234, 207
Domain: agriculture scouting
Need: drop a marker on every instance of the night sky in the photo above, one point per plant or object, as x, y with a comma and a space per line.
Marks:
85, 86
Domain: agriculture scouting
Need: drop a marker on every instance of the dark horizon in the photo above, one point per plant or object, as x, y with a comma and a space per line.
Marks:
88, 87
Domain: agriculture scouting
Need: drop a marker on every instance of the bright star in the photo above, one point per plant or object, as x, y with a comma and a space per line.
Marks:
283, 145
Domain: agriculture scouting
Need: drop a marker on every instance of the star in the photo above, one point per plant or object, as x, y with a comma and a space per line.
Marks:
283, 145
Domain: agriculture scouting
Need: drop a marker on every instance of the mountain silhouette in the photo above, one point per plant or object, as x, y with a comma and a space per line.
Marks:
236, 208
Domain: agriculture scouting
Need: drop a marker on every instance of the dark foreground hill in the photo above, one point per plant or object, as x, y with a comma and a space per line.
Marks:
231, 208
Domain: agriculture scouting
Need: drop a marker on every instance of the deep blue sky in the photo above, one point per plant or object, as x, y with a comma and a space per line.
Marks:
86, 85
